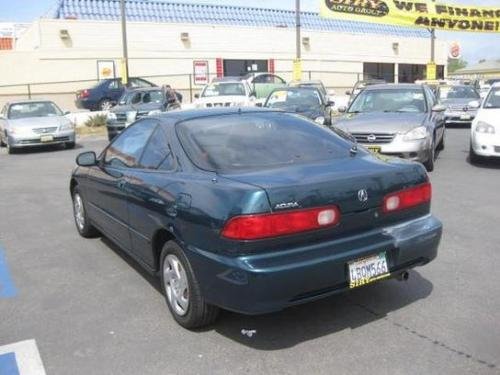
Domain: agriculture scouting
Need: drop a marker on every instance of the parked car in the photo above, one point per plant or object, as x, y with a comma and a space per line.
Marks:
135, 104
34, 123
263, 83
235, 93
106, 93
485, 129
306, 101
253, 210
461, 101
317, 84
360, 86
399, 120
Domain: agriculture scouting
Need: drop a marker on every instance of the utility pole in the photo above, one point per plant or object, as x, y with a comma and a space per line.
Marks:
433, 45
297, 64
124, 43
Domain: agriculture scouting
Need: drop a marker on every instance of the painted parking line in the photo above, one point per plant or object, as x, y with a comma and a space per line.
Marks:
7, 288
21, 358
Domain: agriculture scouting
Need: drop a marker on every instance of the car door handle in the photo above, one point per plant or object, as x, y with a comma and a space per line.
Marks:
121, 184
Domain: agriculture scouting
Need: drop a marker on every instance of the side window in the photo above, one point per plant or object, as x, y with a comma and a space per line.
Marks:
115, 84
137, 82
126, 150
158, 154
136, 98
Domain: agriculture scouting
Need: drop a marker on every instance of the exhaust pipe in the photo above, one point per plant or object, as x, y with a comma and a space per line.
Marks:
403, 276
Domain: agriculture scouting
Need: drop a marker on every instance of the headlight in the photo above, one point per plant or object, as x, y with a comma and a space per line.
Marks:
319, 120
484, 127
66, 126
111, 116
131, 116
415, 134
154, 112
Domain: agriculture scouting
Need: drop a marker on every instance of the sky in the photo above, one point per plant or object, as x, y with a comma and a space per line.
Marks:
475, 46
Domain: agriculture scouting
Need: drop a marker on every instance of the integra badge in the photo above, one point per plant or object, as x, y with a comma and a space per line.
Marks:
375, 8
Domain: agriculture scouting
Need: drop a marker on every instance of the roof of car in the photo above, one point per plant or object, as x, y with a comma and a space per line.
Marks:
132, 89
189, 114
393, 86
310, 82
29, 101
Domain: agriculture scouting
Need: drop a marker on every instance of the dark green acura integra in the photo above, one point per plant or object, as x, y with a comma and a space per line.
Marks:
253, 210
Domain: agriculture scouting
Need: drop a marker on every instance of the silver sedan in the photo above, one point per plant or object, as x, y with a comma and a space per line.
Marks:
34, 123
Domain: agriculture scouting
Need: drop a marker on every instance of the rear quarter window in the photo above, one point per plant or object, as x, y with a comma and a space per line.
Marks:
252, 141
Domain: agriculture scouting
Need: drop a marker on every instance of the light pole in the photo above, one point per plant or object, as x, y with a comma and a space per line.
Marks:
297, 64
124, 43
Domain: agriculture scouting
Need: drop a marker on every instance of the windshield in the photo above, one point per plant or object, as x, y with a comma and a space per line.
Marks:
33, 109
493, 99
392, 100
294, 100
142, 97
458, 92
223, 88
257, 140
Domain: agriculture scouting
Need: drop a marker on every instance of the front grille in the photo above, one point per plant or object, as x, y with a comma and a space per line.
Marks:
121, 117
497, 148
373, 137
45, 130
226, 104
37, 141
141, 114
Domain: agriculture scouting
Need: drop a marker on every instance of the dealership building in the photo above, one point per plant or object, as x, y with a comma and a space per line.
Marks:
166, 40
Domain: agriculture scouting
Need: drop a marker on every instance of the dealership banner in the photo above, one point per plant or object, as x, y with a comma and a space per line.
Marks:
423, 13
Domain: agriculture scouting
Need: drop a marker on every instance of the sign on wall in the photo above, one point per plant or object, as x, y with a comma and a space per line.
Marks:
105, 69
431, 71
455, 51
200, 70
419, 13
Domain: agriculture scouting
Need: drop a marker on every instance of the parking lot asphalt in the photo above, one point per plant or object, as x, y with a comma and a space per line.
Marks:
92, 310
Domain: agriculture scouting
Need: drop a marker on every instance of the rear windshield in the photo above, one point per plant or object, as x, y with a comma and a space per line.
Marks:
250, 141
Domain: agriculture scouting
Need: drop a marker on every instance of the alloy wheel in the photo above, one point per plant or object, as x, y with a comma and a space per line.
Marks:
79, 211
176, 284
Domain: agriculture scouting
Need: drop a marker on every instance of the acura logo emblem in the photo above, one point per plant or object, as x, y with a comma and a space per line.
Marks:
362, 195
371, 138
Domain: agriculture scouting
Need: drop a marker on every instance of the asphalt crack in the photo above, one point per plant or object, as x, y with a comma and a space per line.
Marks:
425, 337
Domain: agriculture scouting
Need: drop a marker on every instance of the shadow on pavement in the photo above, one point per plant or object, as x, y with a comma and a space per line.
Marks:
302, 323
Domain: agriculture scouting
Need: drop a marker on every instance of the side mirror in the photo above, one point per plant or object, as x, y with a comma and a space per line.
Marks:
67, 113
438, 108
86, 159
196, 96
342, 109
330, 103
348, 92
259, 104
475, 104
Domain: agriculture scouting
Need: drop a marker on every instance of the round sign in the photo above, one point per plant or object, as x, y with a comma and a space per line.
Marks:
455, 50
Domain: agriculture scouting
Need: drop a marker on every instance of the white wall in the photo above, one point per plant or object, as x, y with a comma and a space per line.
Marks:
157, 49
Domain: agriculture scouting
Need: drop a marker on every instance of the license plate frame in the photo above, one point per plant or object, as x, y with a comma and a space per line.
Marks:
374, 149
465, 117
46, 138
375, 268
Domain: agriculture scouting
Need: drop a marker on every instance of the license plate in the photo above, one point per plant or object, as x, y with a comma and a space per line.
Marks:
367, 270
465, 117
375, 149
46, 138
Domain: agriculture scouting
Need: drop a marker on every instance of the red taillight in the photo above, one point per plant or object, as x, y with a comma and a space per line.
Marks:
253, 227
407, 198
84, 93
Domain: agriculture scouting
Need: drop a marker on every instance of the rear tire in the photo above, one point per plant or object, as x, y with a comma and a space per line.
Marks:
105, 105
182, 290
82, 222
441, 144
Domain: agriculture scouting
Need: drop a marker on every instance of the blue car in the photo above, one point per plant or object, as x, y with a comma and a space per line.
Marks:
106, 93
253, 210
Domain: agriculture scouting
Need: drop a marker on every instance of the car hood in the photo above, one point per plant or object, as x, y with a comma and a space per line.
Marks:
457, 102
222, 99
380, 122
38, 122
141, 107
491, 116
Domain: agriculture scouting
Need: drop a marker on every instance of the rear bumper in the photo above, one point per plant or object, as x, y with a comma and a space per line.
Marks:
267, 282
486, 145
459, 117
89, 104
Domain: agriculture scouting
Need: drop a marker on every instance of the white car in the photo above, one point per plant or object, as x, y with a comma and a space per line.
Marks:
485, 129
225, 94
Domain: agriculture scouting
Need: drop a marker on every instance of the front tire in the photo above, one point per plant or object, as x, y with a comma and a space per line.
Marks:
182, 290
82, 222
473, 157
429, 164
70, 145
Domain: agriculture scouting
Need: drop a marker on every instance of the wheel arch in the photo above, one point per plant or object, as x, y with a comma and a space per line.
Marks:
73, 183
159, 239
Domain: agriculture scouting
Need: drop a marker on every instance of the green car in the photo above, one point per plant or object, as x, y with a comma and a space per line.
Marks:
264, 83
